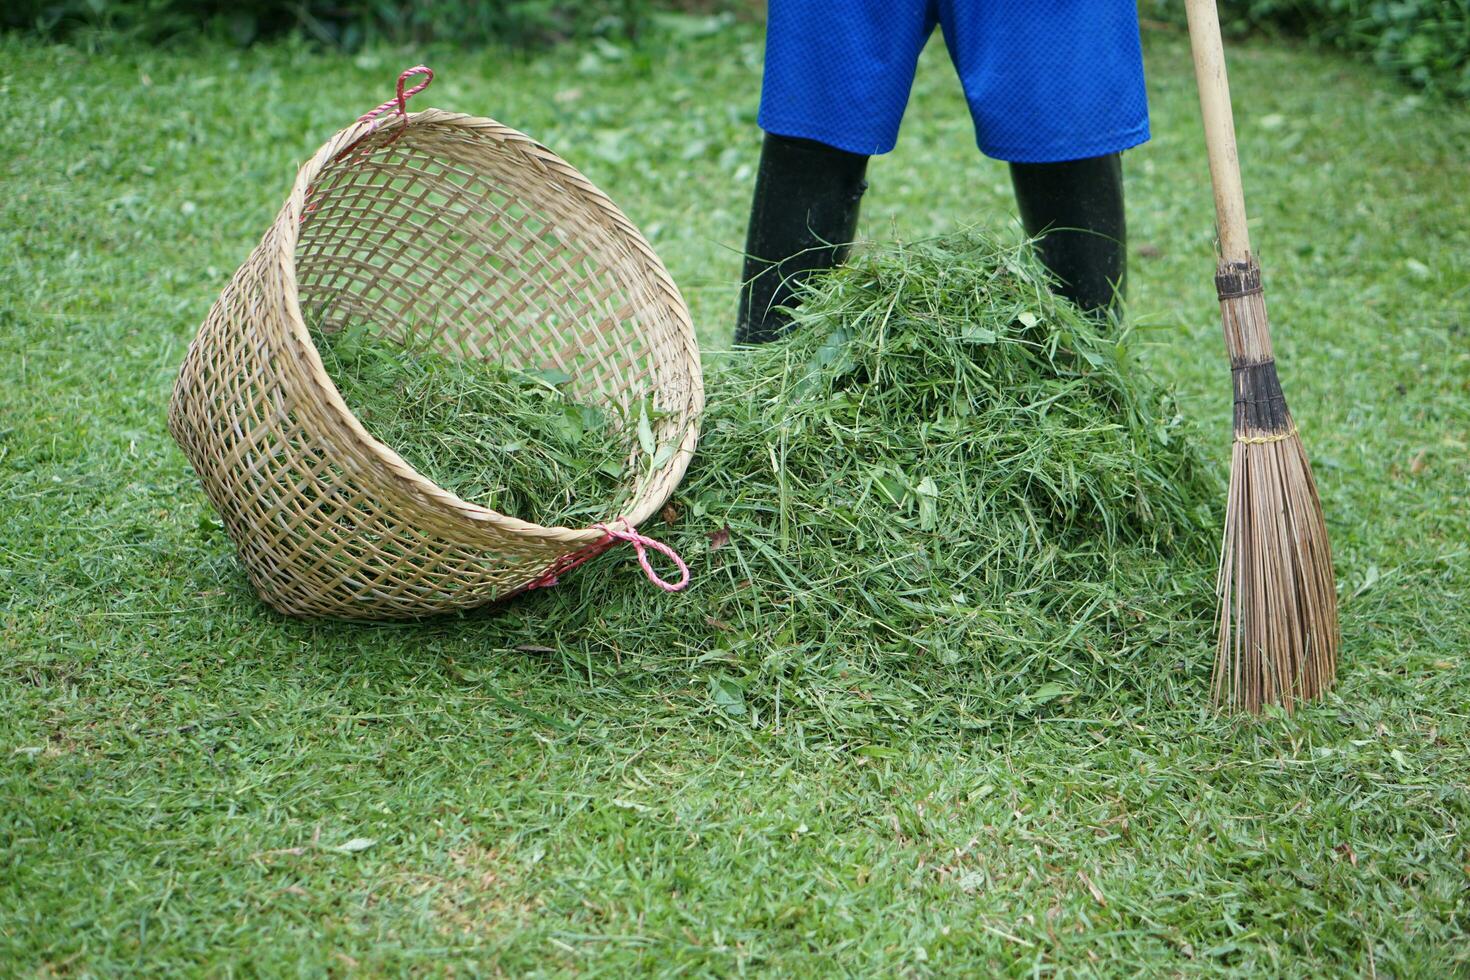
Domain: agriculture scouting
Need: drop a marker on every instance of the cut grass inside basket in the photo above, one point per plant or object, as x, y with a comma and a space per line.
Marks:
460, 223
509, 440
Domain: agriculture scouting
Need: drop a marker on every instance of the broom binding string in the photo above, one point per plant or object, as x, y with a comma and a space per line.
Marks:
1237, 279
1260, 405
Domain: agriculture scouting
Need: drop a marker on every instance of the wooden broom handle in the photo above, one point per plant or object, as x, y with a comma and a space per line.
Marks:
1214, 103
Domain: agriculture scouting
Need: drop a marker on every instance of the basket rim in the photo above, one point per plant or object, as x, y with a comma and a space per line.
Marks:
477, 515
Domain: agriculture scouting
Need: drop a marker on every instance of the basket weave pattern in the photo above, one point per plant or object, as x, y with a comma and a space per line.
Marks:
484, 244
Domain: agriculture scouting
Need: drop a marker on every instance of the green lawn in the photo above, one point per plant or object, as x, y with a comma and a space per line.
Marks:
190, 783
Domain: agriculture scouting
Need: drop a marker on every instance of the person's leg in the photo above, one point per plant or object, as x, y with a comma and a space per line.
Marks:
1075, 211
837, 79
802, 220
1056, 89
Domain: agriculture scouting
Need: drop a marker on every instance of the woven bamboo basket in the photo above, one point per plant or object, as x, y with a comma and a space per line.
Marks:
411, 218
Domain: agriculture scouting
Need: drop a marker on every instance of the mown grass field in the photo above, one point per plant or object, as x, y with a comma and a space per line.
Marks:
190, 783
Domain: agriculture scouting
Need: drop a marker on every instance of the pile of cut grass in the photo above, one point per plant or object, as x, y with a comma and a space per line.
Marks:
946, 487
508, 440
946, 490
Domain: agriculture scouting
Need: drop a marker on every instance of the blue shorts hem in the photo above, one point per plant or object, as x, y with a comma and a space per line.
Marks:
1069, 150
1009, 153
831, 137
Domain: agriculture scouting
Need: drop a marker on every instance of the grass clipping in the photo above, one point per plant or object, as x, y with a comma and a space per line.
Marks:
946, 490
508, 440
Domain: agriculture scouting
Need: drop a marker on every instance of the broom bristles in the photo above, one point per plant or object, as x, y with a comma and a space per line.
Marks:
1278, 602
1278, 631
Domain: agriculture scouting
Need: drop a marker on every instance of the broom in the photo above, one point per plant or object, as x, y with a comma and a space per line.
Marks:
1278, 635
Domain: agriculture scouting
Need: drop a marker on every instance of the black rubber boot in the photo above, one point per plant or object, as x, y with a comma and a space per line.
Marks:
802, 220
1077, 209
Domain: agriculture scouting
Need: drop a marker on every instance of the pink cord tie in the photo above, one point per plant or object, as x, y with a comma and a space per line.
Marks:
401, 98
399, 102
641, 543
610, 537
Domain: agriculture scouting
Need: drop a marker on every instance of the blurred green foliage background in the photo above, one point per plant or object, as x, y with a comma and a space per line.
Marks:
1425, 42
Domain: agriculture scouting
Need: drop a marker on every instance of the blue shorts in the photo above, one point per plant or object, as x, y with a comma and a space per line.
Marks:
1047, 80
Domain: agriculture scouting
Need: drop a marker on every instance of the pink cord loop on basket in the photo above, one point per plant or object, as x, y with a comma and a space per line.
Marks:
641, 543
400, 100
